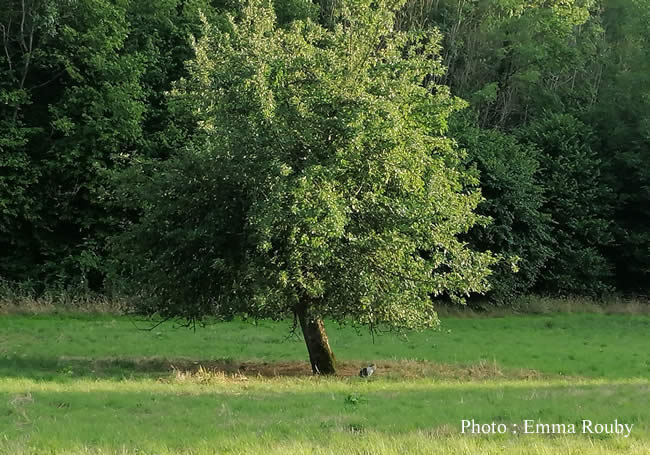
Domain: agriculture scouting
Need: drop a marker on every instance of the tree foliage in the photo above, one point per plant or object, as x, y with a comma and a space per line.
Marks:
519, 230
621, 115
321, 178
85, 95
513, 59
82, 87
579, 203
70, 102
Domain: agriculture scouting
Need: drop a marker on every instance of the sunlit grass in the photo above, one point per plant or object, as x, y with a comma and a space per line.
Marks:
96, 385
226, 413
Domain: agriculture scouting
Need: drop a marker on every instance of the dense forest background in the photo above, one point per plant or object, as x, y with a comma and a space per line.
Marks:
556, 128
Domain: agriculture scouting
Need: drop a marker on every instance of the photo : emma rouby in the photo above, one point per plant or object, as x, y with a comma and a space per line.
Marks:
532, 427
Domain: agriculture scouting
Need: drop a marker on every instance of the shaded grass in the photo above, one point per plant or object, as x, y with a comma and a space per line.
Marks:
59, 346
148, 367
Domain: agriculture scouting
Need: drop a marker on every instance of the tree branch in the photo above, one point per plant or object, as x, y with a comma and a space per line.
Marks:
5, 41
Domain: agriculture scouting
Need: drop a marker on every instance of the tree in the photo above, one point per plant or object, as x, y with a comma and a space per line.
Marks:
621, 116
519, 231
82, 87
320, 183
71, 103
579, 203
514, 59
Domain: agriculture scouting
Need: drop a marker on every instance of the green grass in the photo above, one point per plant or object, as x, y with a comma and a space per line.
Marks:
159, 417
591, 345
96, 384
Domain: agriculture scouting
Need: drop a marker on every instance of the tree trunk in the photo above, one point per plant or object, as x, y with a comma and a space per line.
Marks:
321, 356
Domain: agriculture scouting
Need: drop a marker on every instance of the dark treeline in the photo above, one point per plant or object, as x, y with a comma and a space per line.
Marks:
556, 128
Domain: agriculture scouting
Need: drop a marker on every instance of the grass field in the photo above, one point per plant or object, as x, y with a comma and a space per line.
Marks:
97, 384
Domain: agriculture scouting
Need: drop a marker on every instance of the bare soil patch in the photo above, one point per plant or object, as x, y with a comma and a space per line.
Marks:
398, 369
392, 369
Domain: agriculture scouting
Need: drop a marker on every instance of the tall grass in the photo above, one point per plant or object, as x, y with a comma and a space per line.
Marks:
23, 298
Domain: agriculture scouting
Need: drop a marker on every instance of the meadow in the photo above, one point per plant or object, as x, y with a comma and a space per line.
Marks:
100, 384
